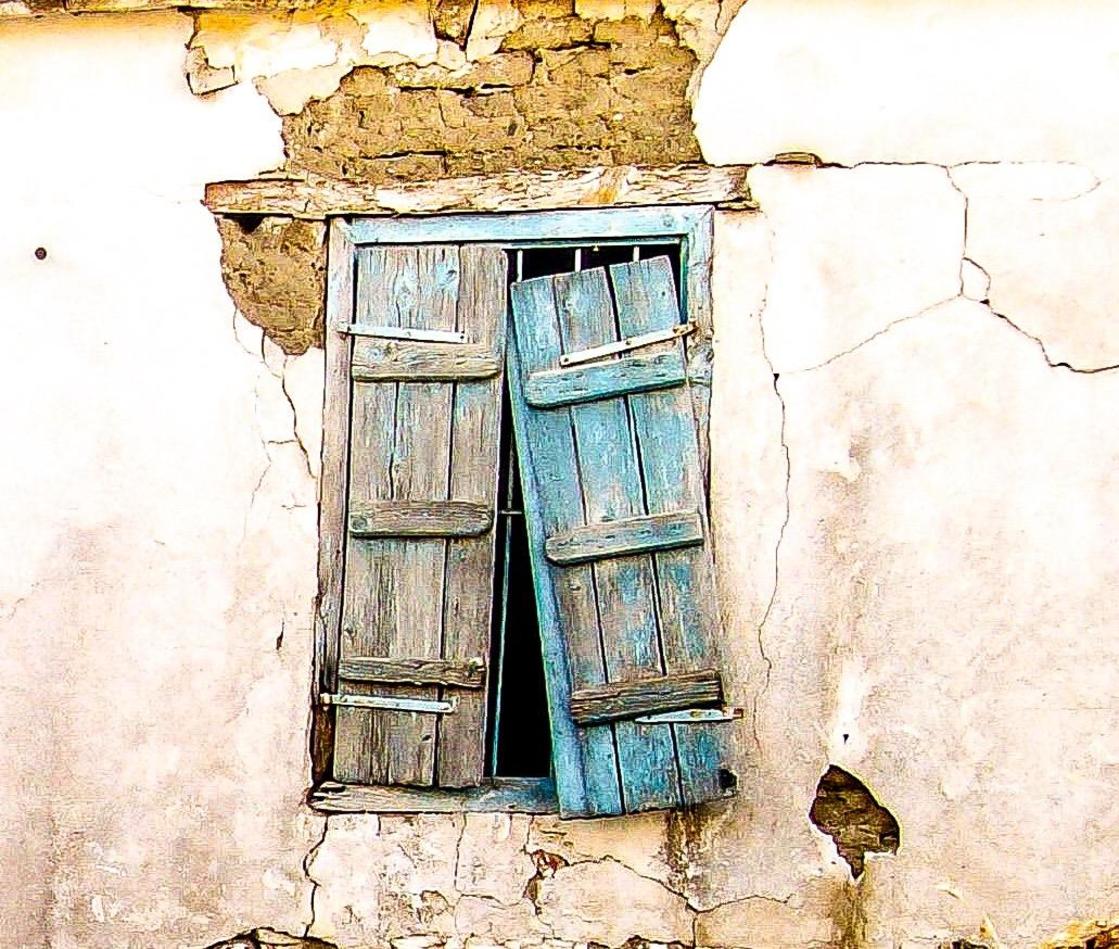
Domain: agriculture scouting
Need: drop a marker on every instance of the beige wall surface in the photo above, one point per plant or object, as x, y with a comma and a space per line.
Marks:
914, 499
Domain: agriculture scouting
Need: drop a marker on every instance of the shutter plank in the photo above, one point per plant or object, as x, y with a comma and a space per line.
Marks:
585, 759
475, 446
367, 576
419, 467
665, 429
625, 588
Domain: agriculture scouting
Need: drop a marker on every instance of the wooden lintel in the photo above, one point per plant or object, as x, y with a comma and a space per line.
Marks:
619, 186
470, 674
613, 701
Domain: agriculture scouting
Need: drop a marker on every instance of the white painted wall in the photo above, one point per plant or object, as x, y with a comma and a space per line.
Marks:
913, 519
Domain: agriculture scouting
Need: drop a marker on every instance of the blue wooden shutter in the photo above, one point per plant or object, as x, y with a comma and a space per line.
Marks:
620, 542
426, 370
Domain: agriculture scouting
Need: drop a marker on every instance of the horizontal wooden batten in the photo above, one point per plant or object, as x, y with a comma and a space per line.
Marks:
318, 197
595, 705
634, 535
511, 795
554, 388
449, 672
420, 519
414, 361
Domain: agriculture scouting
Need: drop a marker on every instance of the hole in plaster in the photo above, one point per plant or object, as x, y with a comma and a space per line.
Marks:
40, 253
728, 780
846, 811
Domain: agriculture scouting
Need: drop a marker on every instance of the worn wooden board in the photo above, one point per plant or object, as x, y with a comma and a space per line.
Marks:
620, 186
399, 360
474, 452
521, 795
631, 535
619, 700
673, 478
637, 373
464, 674
420, 518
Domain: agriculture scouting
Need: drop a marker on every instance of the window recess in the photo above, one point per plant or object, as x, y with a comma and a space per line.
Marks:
518, 607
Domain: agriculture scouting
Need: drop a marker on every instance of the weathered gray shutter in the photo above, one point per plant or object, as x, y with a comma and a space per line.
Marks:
426, 370
621, 546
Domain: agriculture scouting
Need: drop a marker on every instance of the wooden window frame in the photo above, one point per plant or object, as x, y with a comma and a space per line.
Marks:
692, 225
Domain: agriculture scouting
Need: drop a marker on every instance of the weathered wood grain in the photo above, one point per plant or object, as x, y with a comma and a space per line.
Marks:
521, 795
625, 634
620, 700
620, 186
688, 611
642, 372
410, 518
332, 497
632, 535
463, 674
380, 361
474, 460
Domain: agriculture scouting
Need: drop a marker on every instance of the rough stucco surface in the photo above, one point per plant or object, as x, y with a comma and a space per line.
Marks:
154, 736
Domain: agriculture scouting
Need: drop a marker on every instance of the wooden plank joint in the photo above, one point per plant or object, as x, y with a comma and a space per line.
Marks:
597, 704
622, 538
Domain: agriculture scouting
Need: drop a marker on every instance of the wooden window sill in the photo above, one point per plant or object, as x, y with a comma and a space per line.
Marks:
504, 795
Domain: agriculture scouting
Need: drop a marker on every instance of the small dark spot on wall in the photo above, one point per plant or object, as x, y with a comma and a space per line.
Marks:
846, 811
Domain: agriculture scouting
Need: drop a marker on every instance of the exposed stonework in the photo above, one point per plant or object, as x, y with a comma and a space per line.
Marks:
560, 92
846, 811
275, 270
271, 939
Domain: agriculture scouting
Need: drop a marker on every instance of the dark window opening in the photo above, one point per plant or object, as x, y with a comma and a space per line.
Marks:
518, 742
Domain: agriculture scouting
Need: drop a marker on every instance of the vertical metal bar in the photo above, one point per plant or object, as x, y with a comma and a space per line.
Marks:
578, 258
520, 265
636, 253
503, 616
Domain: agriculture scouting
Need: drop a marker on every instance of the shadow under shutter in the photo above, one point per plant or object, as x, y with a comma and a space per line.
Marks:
425, 366
618, 528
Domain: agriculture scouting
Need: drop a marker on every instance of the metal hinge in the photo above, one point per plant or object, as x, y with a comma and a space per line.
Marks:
691, 716
390, 703
627, 344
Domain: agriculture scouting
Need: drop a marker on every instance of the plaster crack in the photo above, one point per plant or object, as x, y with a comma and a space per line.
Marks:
1037, 340
295, 423
882, 332
781, 533
307, 861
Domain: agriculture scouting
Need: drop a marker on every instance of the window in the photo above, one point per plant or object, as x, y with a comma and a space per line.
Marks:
478, 575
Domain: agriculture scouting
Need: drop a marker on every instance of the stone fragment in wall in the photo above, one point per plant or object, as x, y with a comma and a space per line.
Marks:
493, 21
854, 250
274, 269
539, 32
204, 78
451, 19
1044, 235
615, 9
610, 103
607, 903
846, 811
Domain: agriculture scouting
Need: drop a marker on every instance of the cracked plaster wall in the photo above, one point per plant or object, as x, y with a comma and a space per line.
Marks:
912, 502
